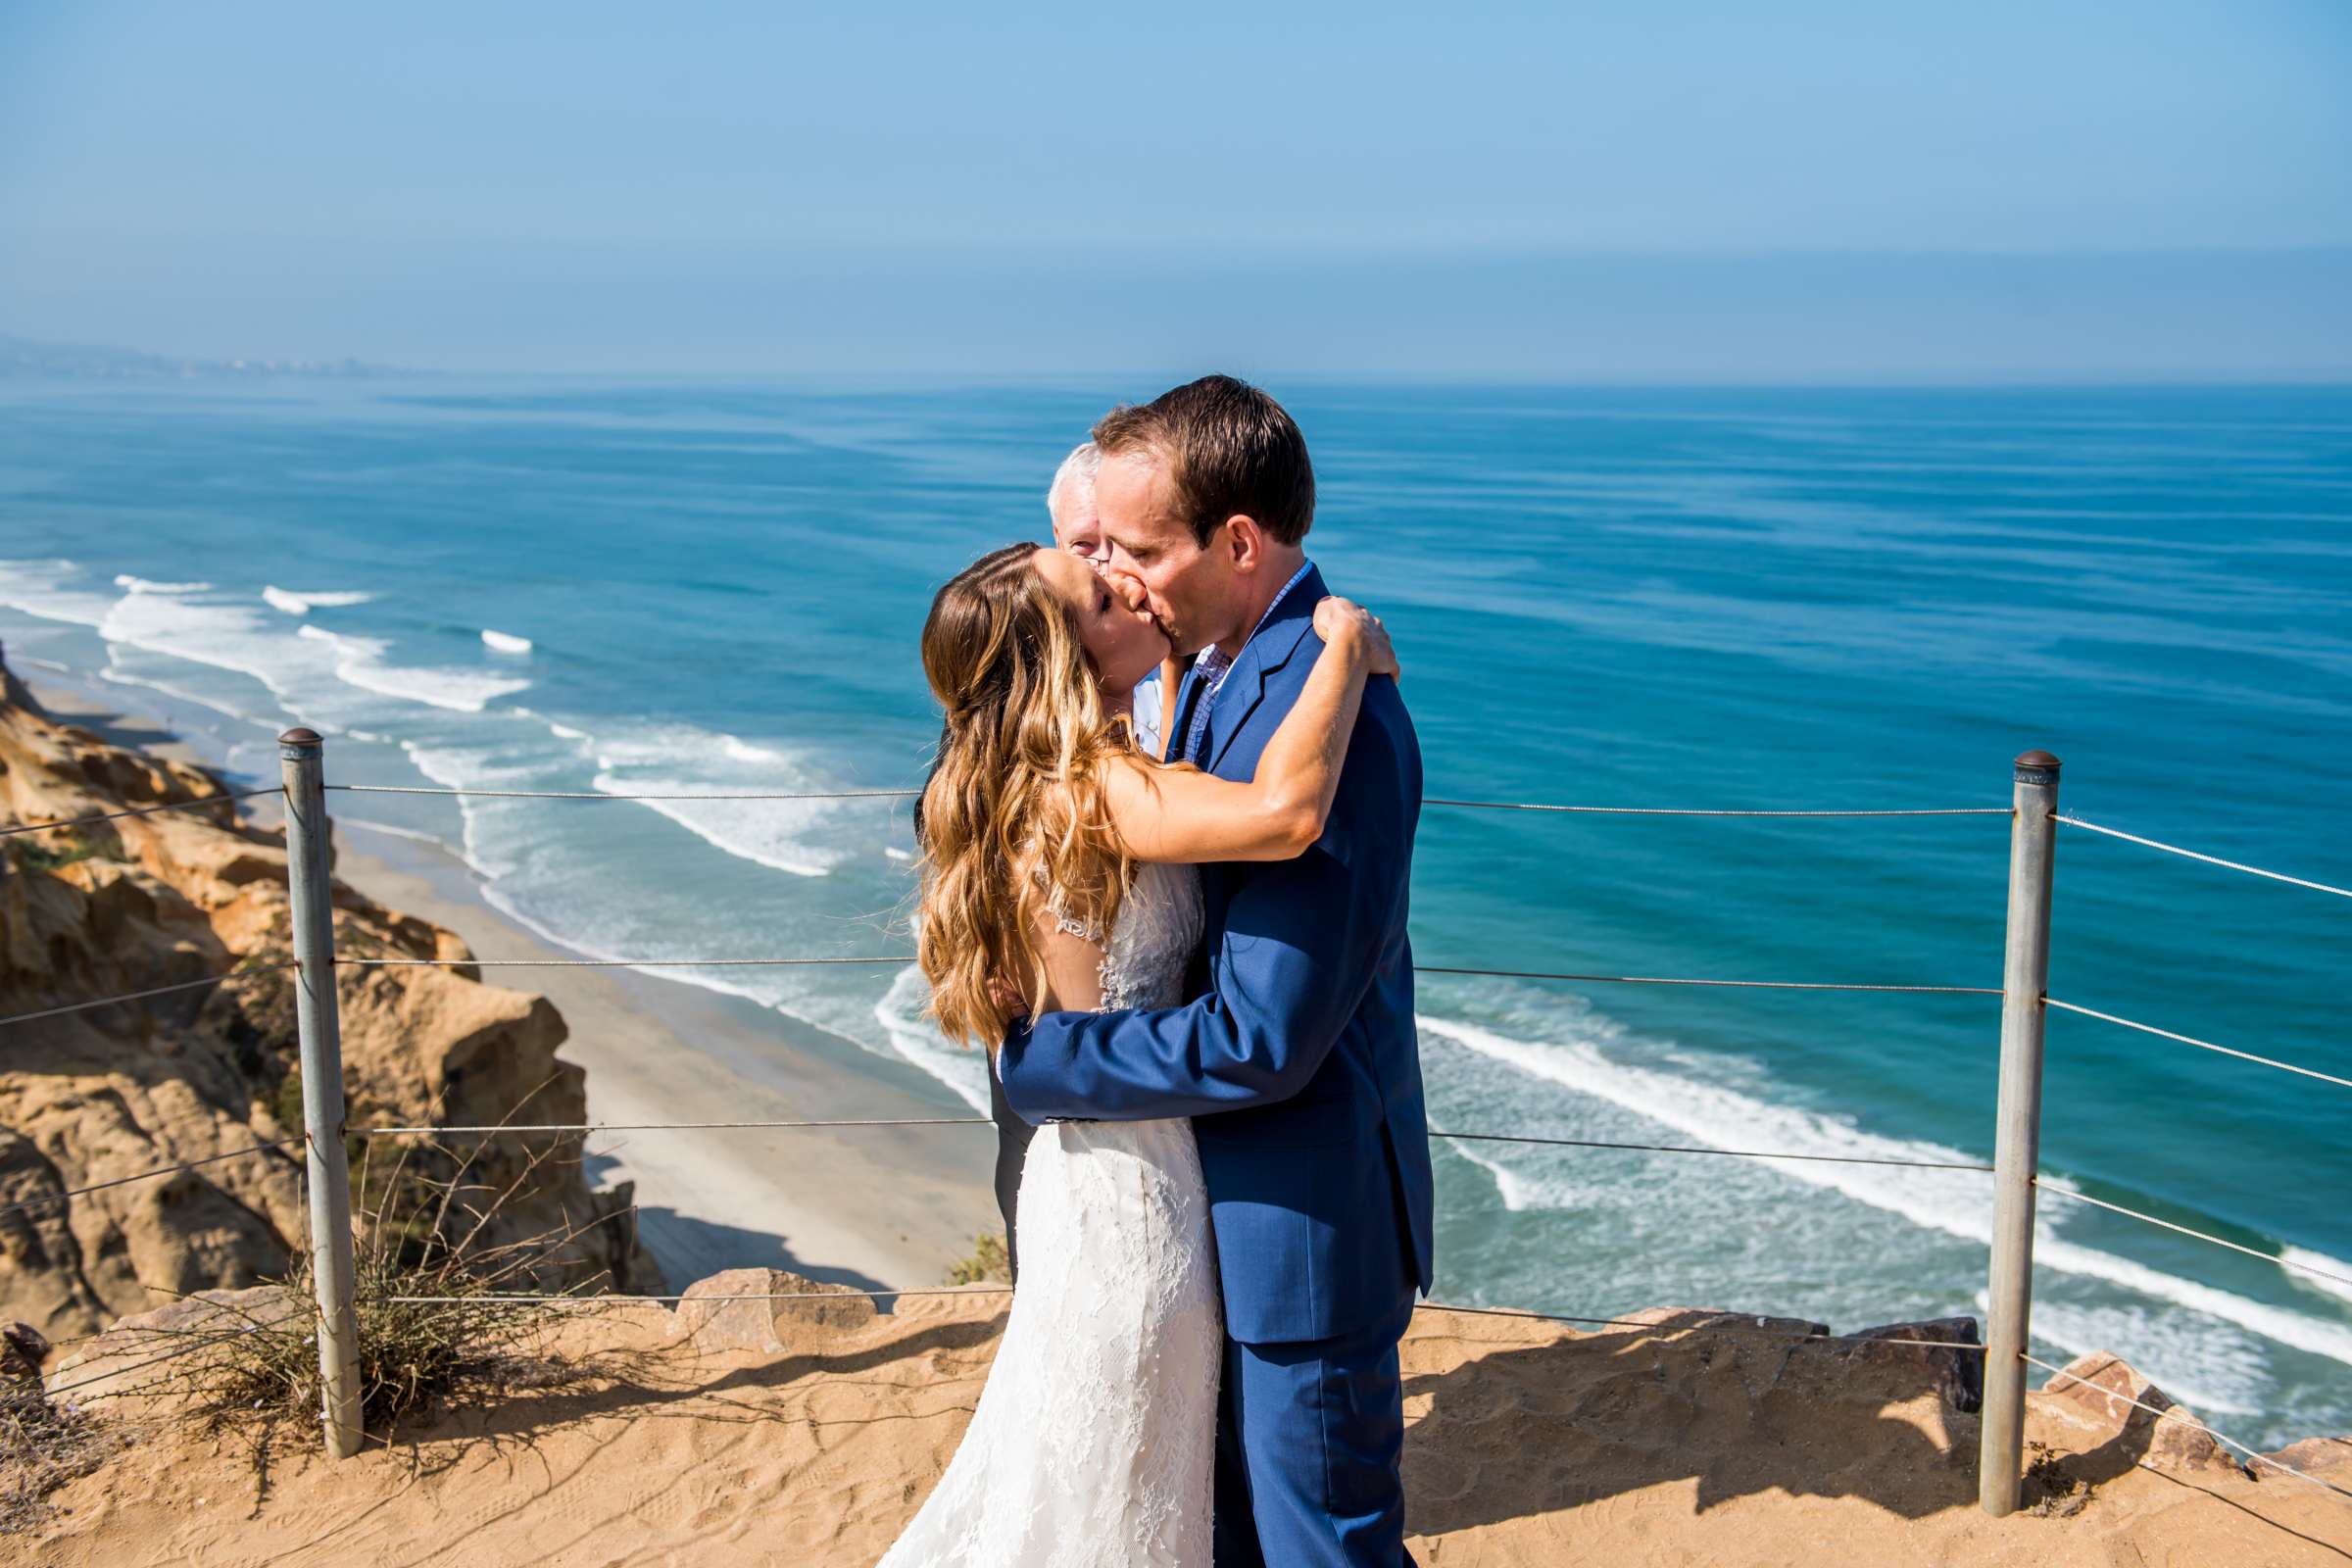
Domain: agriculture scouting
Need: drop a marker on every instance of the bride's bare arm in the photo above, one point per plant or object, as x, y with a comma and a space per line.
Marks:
1178, 814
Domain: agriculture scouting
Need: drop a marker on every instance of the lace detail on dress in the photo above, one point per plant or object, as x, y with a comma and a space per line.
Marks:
1145, 959
1092, 1442
1159, 923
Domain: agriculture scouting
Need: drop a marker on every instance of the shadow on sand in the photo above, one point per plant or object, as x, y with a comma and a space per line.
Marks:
1529, 1430
696, 1248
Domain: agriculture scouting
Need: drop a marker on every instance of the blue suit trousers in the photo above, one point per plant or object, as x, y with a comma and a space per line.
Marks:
1308, 1435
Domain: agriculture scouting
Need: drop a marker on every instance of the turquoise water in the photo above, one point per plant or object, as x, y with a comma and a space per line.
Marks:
1780, 599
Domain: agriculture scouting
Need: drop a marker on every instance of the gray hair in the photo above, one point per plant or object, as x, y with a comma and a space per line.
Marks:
1078, 469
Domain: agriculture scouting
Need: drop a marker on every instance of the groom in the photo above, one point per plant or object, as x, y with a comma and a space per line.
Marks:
1297, 1058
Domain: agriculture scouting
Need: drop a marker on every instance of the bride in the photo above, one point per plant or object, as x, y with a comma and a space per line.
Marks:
1057, 856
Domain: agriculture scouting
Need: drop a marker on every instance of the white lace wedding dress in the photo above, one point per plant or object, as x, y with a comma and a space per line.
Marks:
1091, 1444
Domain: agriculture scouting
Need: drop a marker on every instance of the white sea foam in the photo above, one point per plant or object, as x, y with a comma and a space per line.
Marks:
578, 878
1519, 1191
140, 585
121, 677
360, 662
682, 760
313, 671
740, 750
2308, 1259
497, 896
346, 819
1951, 1202
224, 636
301, 604
50, 589
1729, 1119
912, 1035
505, 642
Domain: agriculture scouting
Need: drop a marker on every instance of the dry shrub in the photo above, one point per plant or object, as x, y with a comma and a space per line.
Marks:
253, 1376
44, 1444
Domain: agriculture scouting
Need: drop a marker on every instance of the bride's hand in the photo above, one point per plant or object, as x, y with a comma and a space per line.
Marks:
1339, 620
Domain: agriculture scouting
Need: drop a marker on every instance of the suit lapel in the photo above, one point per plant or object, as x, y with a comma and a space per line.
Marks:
1267, 651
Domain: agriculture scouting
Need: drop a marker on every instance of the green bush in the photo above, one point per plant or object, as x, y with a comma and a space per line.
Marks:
989, 1264
72, 846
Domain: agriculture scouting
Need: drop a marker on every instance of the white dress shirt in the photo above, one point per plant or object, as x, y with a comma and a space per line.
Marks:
1149, 700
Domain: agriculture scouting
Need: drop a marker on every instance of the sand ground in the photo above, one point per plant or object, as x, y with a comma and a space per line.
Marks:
1530, 1444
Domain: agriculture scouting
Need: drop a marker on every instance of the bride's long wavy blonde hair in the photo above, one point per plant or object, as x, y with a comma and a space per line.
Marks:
1012, 817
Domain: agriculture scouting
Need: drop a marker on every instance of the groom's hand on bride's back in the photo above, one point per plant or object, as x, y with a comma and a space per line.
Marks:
1007, 998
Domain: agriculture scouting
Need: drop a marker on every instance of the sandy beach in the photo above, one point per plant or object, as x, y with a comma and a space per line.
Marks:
878, 1209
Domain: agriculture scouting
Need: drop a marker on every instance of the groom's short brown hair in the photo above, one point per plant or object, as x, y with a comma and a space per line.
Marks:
1229, 448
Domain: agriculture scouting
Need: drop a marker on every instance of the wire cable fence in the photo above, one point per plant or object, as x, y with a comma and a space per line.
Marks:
1713, 1324
583, 1128
145, 1175
619, 1299
2015, 1169
901, 959
2209, 859
110, 1373
1705, 1324
2191, 1039
1703, 811
201, 804
627, 795
913, 794
2292, 1266
225, 977
1673, 980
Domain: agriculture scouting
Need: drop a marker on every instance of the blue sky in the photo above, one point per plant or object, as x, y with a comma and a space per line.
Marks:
1744, 191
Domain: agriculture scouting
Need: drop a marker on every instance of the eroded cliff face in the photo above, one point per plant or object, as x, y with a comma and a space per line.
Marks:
87, 1097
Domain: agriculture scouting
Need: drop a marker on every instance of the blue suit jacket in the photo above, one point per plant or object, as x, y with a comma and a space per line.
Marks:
1298, 1062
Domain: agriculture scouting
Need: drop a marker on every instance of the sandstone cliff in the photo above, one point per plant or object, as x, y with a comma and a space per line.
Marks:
90, 1098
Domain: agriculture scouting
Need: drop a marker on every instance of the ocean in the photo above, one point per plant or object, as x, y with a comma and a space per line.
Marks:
1764, 598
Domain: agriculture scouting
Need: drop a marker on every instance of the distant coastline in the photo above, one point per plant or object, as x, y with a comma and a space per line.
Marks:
24, 358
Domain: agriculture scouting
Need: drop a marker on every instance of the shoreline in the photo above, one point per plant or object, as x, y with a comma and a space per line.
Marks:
876, 1208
